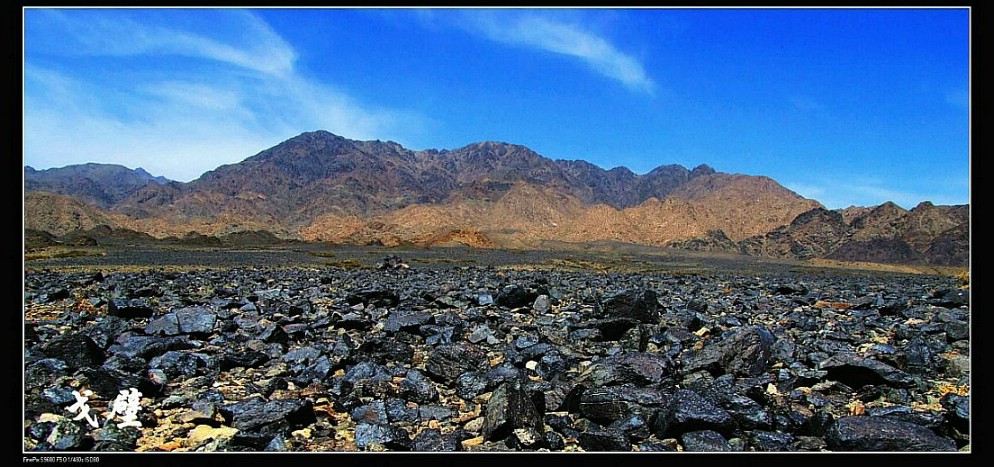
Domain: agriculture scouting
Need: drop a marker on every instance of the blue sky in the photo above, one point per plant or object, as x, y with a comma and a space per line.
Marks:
845, 106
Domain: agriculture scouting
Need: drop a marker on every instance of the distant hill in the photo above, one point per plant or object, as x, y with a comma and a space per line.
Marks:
102, 185
322, 187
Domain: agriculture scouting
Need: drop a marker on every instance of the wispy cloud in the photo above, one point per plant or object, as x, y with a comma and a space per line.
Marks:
856, 193
256, 46
805, 103
532, 29
236, 94
958, 98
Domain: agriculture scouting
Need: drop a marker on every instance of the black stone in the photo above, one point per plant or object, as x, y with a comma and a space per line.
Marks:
389, 436
688, 411
509, 408
705, 441
863, 433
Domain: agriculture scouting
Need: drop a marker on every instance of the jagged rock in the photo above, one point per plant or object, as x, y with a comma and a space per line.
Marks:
509, 408
406, 320
391, 437
705, 441
376, 296
515, 296
636, 368
76, 350
639, 305
771, 441
883, 434
746, 351
130, 308
841, 344
608, 404
416, 387
854, 371
688, 411
272, 417
605, 440
447, 362
432, 440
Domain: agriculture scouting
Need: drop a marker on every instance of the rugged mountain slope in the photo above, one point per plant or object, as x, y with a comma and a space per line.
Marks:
60, 214
322, 187
102, 185
927, 234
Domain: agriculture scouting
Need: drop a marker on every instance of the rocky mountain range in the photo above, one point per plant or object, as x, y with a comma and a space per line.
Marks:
322, 187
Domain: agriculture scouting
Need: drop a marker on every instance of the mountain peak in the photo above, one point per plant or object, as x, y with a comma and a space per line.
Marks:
702, 169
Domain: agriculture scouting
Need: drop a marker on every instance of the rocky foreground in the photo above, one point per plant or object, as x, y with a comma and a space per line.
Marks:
482, 359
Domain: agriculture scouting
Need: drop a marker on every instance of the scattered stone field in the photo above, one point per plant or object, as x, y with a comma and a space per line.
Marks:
305, 348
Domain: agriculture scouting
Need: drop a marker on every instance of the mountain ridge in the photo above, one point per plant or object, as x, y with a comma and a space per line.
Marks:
318, 186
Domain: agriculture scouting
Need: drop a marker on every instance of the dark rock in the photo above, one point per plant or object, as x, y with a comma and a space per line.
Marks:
374, 412
688, 411
376, 296
77, 350
415, 387
68, 435
273, 333
111, 438
639, 305
165, 325
388, 436
383, 350
957, 411
509, 408
635, 368
432, 440
108, 383
366, 372
472, 383
612, 329
391, 262
106, 330
744, 352
484, 299
446, 362
245, 359
176, 363
608, 404
149, 346
705, 441
636, 426
406, 320
272, 417
951, 298
748, 414
856, 372
515, 296
883, 434
53, 296
542, 304
435, 412
130, 308
604, 440
771, 441
398, 410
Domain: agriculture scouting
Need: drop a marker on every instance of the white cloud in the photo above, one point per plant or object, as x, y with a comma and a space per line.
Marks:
534, 30
244, 97
116, 33
958, 98
805, 103
865, 193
